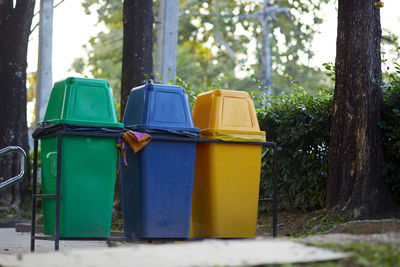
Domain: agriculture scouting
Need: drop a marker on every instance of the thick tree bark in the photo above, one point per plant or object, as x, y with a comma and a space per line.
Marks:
355, 183
15, 24
137, 60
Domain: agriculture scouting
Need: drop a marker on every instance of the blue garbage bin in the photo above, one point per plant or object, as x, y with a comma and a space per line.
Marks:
157, 183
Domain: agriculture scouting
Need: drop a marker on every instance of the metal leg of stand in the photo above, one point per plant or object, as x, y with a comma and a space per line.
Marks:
275, 208
59, 147
34, 184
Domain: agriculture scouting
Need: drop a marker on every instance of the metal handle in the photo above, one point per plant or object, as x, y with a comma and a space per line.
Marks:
20, 176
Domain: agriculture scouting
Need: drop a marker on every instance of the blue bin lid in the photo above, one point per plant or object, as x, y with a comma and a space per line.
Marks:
158, 107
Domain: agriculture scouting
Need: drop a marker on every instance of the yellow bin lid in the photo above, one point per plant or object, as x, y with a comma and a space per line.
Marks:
227, 115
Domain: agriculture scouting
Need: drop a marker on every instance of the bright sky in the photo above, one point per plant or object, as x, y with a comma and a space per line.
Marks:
324, 44
73, 28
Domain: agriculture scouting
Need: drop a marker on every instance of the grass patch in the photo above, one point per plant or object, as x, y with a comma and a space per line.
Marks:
319, 222
362, 254
117, 223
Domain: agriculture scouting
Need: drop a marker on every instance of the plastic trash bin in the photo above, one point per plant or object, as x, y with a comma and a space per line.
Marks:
227, 175
157, 183
88, 163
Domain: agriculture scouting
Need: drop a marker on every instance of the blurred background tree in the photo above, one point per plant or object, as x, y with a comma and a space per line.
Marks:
220, 44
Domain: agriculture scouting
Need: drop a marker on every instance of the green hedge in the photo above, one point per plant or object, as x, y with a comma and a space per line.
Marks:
300, 123
391, 134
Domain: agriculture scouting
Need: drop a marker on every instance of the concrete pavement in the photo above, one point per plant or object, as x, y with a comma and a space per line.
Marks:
18, 242
14, 251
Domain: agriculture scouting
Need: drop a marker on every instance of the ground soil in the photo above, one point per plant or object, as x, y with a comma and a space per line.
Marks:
288, 223
300, 223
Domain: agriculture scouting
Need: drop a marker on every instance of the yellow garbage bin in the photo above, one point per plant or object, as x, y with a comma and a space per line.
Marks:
227, 175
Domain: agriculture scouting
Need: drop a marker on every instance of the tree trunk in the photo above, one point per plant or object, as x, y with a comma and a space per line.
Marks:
355, 183
15, 24
137, 60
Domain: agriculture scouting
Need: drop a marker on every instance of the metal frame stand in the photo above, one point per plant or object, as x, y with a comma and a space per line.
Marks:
59, 134
273, 145
63, 132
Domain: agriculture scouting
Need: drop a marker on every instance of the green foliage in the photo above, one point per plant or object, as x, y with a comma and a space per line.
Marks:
361, 254
202, 59
321, 224
108, 11
21, 212
391, 133
209, 22
117, 223
39, 161
331, 70
299, 123
391, 44
196, 63
190, 91
104, 51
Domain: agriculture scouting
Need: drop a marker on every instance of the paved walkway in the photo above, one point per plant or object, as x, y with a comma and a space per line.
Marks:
12, 242
14, 251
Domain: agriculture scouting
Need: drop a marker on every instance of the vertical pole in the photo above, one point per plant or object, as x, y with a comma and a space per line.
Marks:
44, 72
275, 211
58, 190
266, 72
167, 40
34, 183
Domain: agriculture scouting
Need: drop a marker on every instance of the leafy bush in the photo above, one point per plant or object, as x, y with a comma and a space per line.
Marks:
299, 123
390, 126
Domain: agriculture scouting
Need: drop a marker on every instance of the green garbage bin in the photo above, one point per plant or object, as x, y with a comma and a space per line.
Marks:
88, 163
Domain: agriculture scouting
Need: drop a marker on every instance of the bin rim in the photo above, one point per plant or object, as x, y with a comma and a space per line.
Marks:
48, 129
187, 132
228, 93
81, 122
231, 135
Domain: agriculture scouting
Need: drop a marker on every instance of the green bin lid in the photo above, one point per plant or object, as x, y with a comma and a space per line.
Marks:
82, 101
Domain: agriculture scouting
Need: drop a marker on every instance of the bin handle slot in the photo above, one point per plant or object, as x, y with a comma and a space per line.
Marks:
20, 176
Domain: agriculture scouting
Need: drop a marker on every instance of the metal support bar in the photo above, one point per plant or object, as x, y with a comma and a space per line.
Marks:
50, 238
44, 196
58, 190
275, 211
274, 145
53, 238
92, 239
206, 140
33, 221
